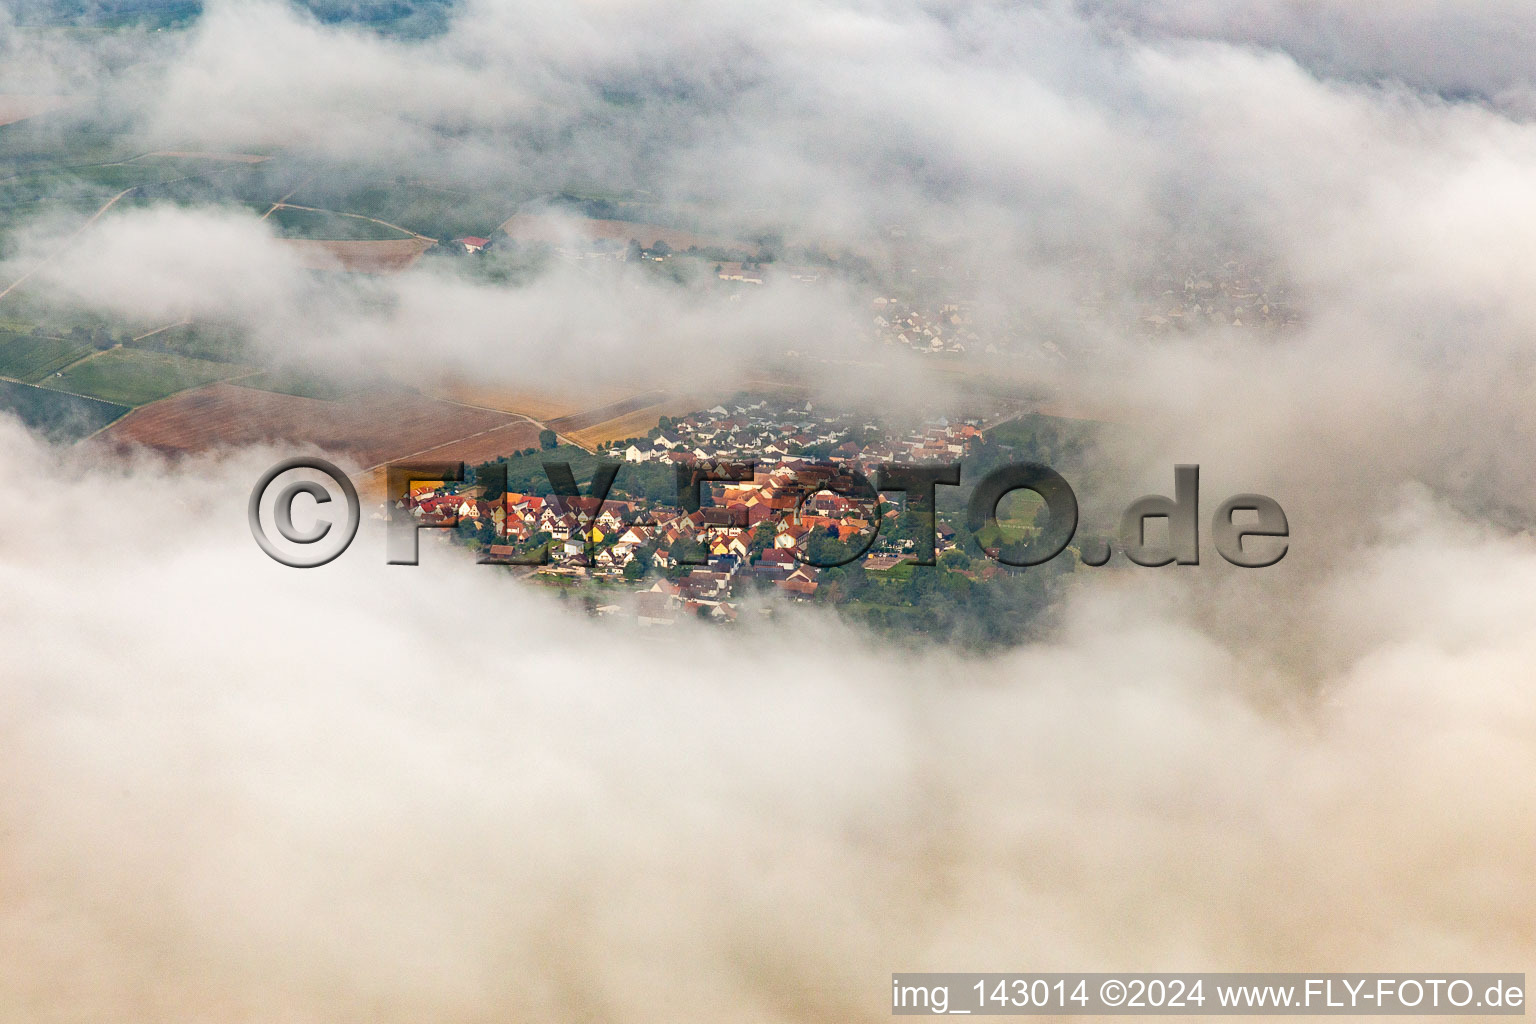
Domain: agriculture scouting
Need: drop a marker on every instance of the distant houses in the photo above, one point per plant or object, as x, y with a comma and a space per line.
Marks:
749, 535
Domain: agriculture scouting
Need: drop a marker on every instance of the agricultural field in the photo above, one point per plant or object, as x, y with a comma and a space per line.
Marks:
301, 384
215, 342
538, 404
29, 358
358, 257
15, 108
195, 157
638, 422
426, 209
603, 413
83, 182
131, 377
483, 447
553, 230
365, 430
297, 222
55, 415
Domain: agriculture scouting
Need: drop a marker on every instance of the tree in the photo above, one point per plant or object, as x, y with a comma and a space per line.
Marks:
548, 439
762, 539
634, 568
956, 559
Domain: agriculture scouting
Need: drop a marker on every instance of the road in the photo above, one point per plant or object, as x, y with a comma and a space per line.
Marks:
65, 244
282, 205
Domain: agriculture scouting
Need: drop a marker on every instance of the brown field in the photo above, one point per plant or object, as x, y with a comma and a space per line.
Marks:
603, 413
540, 405
483, 447
369, 430
533, 227
637, 423
388, 256
19, 108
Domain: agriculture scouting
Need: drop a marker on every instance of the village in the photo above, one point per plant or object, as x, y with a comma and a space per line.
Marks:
771, 534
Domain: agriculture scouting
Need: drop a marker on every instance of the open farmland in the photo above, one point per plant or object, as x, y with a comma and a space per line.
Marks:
302, 222
365, 430
535, 227
54, 414
15, 108
229, 158
418, 207
483, 447
602, 414
637, 422
539, 404
358, 257
128, 376
29, 358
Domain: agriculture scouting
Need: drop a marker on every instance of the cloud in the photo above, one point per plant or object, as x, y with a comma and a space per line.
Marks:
239, 790
238, 787
166, 262
1483, 54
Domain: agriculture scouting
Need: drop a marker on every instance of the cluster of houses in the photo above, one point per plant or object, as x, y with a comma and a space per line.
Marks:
758, 273
575, 537
726, 539
777, 433
947, 327
1234, 294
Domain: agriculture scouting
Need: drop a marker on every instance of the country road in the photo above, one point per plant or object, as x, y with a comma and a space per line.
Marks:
66, 243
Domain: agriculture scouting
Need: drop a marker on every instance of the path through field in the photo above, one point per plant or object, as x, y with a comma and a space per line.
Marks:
281, 205
65, 244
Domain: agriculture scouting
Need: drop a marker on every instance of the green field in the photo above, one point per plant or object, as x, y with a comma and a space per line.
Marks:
323, 224
129, 376
55, 415
299, 383
28, 358
429, 210
218, 343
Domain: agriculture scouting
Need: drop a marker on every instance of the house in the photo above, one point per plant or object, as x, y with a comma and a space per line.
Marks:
747, 272
634, 536
804, 574
796, 588
616, 557
654, 609
716, 517
778, 556
769, 573
790, 534
473, 244
728, 544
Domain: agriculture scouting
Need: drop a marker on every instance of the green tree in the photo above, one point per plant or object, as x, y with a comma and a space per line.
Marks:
548, 439
956, 559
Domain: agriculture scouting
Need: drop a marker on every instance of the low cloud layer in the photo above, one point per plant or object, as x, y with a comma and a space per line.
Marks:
241, 791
